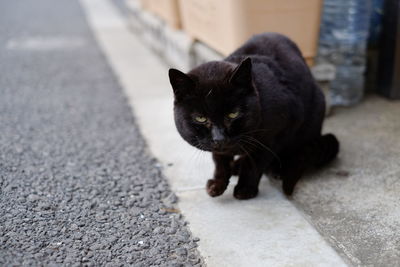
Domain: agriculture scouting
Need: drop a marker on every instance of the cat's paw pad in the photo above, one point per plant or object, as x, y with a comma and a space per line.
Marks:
244, 192
216, 187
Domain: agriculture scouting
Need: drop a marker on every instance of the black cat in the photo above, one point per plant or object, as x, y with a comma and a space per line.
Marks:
260, 105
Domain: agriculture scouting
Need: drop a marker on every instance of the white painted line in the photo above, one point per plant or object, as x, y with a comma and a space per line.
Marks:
45, 43
266, 231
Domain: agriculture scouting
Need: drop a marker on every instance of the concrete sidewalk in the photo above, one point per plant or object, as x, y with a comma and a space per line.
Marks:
355, 204
347, 214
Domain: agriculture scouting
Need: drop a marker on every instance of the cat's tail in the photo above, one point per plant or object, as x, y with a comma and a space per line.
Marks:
326, 148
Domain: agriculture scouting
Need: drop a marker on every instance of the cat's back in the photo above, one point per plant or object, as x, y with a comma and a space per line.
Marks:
282, 76
267, 44
275, 48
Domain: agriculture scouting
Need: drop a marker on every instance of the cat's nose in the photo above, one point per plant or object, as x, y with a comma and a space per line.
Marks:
218, 136
218, 143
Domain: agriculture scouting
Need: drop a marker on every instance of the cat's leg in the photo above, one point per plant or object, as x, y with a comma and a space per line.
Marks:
292, 172
250, 172
313, 155
222, 173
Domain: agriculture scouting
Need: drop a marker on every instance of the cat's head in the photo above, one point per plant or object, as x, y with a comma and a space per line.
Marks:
215, 105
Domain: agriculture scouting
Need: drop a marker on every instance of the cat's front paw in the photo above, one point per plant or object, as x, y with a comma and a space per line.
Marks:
216, 187
245, 192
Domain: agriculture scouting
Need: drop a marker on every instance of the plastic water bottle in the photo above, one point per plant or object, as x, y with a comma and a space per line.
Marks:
343, 42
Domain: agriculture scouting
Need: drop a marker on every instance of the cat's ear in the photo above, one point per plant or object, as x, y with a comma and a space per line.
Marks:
181, 83
242, 74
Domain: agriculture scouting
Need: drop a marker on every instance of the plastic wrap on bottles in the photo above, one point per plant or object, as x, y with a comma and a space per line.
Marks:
343, 42
375, 25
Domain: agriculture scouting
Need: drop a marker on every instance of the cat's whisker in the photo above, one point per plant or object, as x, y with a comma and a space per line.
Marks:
248, 154
197, 155
270, 150
264, 146
257, 131
191, 158
198, 151
194, 159
200, 156
251, 145
243, 149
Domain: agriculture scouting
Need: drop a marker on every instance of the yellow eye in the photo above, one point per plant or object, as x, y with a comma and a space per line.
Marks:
200, 119
233, 115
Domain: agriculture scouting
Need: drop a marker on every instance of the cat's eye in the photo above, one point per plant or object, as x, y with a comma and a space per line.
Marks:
200, 119
233, 115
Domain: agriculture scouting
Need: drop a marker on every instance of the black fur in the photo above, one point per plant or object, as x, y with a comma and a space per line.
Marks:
279, 109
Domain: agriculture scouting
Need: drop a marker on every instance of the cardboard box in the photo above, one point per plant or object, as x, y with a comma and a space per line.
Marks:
167, 10
224, 25
145, 4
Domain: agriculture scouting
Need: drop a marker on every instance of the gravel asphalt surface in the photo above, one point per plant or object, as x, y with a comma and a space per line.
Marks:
77, 184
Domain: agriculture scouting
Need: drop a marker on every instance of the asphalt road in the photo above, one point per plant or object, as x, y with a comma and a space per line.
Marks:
77, 184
